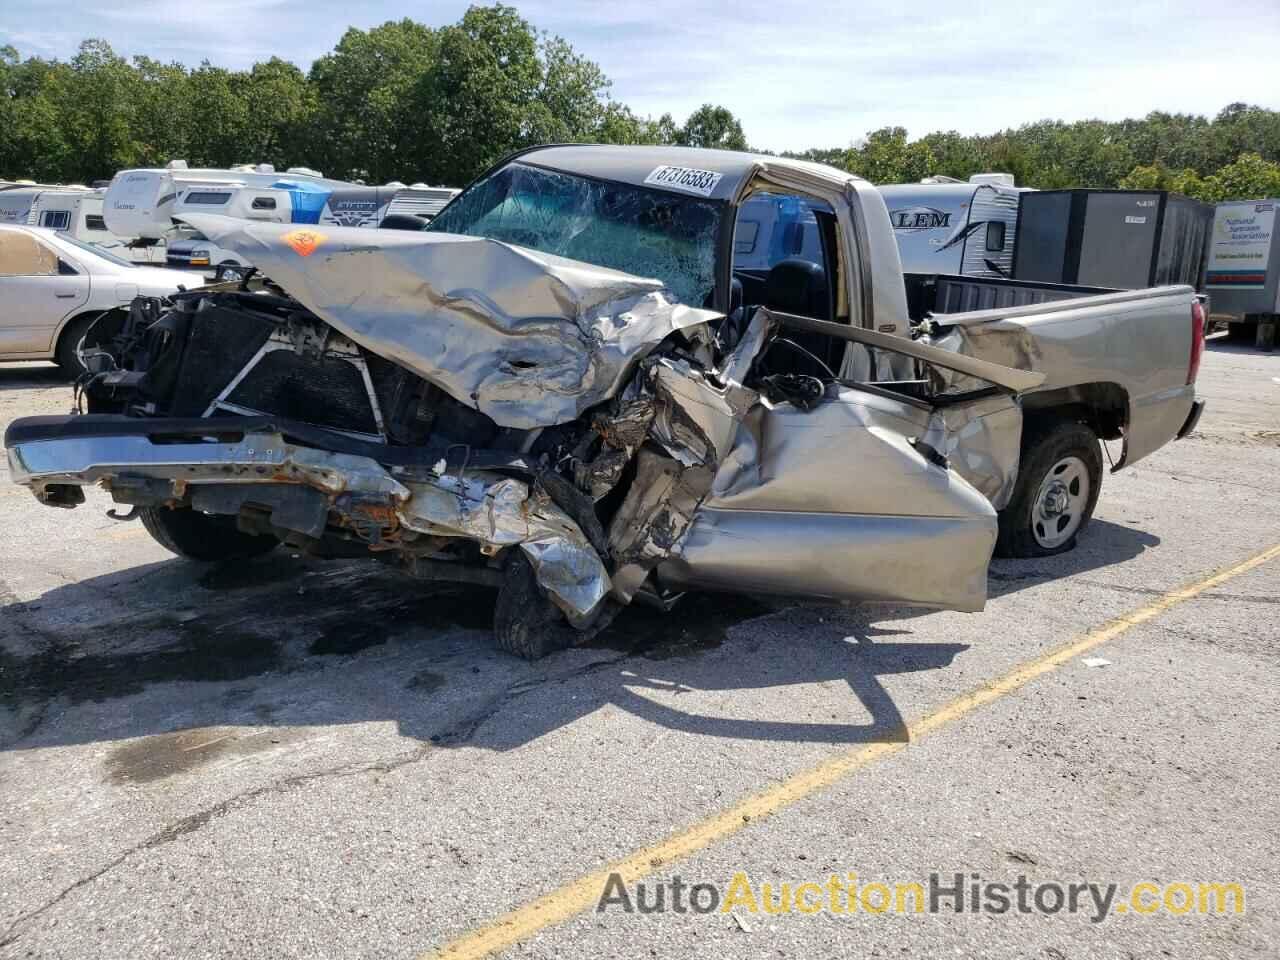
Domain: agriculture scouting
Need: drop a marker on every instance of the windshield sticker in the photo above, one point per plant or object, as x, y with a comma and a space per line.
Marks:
304, 242
701, 182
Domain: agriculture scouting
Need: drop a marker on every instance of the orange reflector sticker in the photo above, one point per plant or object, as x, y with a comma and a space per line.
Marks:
304, 242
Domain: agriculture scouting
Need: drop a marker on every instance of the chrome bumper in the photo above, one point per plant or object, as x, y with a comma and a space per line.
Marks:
255, 458
490, 509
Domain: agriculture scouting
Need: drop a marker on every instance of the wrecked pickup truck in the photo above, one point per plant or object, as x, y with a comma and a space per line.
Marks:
567, 388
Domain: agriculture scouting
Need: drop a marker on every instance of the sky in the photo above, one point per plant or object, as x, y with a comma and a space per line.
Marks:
817, 74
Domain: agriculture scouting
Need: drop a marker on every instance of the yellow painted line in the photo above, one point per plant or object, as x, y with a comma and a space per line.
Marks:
124, 531
583, 894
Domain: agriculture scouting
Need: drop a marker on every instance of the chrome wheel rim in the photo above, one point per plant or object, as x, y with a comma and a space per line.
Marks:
1059, 507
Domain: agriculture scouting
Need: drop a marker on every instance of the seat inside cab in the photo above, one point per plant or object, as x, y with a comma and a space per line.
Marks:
783, 258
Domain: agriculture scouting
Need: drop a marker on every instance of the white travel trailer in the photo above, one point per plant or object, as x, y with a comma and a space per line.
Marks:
153, 202
949, 226
74, 211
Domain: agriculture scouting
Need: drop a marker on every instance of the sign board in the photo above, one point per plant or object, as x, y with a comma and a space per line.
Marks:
1240, 247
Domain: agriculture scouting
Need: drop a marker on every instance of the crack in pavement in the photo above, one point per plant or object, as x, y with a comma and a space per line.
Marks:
1151, 591
453, 737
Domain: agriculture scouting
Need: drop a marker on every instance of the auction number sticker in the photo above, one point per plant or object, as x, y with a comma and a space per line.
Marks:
304, 242
701, 182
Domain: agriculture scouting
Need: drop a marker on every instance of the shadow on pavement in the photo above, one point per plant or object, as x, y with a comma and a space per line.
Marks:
1224, 343
1103, 544
168, 650
26, 376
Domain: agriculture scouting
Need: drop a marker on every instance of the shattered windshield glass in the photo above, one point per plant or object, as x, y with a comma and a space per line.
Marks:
647, 233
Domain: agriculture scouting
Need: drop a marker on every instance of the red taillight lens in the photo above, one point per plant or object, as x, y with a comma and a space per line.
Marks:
1197, 340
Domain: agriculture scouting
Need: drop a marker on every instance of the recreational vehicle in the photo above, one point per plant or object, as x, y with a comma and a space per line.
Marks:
74, 211
953, 227
155, 202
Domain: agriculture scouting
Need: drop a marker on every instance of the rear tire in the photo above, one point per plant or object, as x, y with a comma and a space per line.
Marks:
525, 622
202, 536
1059, 477
66, 356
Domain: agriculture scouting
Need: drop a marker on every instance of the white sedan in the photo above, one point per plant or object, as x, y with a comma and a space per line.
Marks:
53, 287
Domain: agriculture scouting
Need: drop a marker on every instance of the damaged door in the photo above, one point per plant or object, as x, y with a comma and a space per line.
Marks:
868, 495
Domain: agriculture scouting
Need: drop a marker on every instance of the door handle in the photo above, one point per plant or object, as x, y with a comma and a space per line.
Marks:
65, 296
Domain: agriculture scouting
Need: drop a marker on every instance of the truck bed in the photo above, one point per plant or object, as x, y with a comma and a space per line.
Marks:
939, 293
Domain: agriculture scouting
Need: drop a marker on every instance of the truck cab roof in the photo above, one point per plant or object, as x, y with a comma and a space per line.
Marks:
641, 166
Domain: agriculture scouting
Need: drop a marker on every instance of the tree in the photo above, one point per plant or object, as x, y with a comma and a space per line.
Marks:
367, 122
96, 100
714, 127
1249, 178
570, 104
217, 134
955, 155
403, 101
281, 111
478, 99
887, 157
831, 156
163, 112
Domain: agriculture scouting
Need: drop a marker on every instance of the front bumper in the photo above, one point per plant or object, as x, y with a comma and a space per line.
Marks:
402, 496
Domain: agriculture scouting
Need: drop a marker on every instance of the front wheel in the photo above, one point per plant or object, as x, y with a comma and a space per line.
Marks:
525, 622
203, 536
228, 271
1059, 478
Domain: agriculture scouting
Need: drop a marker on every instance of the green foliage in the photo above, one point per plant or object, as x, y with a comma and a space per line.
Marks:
404, 101
712, 126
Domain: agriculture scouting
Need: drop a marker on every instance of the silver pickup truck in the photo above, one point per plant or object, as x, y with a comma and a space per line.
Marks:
572, 386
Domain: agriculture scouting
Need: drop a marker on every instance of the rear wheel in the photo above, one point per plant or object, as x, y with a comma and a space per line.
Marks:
202, 536
1059, 479
525, 622
66, 356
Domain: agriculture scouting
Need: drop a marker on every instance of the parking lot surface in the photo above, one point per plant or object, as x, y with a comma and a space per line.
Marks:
298, 758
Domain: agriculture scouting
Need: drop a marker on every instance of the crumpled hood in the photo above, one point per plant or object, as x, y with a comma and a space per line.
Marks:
529, 339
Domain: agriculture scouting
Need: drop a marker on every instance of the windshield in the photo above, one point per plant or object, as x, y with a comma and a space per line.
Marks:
647, 233
96, 250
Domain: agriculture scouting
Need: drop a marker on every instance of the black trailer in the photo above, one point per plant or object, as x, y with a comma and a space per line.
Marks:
1128, 239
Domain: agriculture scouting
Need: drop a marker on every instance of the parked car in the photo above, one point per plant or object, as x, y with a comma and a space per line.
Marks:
567, 388
52, 286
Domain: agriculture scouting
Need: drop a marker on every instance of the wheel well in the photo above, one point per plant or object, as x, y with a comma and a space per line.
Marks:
1104, 407
71, 323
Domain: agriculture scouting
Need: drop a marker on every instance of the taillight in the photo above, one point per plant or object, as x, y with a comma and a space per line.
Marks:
1197, 340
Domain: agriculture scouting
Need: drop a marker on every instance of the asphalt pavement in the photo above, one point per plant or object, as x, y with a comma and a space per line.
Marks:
298, 758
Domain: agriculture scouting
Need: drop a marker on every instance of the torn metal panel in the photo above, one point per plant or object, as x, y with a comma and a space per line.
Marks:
696, 419
529, 339
620, 435
837, 502
1007, 343
657, 512
496, 512
982, 441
